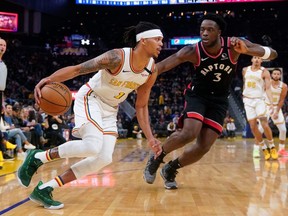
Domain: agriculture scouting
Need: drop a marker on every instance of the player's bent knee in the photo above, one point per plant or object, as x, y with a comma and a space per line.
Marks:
93, 145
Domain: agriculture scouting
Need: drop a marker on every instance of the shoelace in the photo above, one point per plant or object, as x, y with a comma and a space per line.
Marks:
48, 191
171, 174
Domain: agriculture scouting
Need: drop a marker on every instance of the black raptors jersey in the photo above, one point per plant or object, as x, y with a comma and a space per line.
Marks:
213, 74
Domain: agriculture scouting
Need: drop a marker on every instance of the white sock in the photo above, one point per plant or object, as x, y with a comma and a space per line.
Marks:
263, 145
54, 183
271, 144
44, 156
281, 146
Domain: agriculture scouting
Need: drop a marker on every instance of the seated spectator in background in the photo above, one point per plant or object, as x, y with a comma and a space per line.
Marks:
122, 132
18, 122
14, 123
175, 117
136, 133
171, 127
4, 145
53, 130
224, 133
17, 135
31, 120
231, 128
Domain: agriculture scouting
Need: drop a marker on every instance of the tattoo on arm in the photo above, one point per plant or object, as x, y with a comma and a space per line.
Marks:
108, 60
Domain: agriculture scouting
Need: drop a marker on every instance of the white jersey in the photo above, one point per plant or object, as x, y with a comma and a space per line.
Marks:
254, 83
276, 92
114, 88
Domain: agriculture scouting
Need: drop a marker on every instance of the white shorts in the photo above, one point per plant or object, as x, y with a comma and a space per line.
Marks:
88, 107
280, 118
255, 108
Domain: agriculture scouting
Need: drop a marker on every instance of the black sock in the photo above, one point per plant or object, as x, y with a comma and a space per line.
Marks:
175, 164
162, 155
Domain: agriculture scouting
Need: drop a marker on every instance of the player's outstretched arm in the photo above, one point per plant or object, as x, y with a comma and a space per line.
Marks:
243, 46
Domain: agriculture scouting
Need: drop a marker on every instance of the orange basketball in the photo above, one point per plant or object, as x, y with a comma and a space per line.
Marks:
56, 98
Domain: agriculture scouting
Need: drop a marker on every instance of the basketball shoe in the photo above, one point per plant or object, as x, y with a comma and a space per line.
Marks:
168, 174
152, 165
44, 197
283, 153
266, 154
28, 167
273, 153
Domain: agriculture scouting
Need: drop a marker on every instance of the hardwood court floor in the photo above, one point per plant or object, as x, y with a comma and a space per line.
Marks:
227, 181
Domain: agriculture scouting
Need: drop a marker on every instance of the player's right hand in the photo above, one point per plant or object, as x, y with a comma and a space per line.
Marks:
37, 89
271, 110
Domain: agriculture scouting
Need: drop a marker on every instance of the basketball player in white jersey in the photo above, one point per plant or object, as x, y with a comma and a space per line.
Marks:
120, 71
279, 93
257, 82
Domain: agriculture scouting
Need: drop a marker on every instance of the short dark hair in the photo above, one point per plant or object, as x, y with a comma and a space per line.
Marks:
16, 108
132, 31
216, 18
277, 69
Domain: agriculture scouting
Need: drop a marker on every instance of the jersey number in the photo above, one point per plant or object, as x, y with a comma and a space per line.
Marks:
218, 78
121, 94
251, 84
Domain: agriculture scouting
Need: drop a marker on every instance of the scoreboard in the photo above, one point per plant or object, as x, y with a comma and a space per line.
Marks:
161, 2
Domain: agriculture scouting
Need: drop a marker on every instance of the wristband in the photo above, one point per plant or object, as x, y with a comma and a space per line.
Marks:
267, 52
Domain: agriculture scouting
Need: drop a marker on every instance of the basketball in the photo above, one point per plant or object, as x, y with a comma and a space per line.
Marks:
56, 98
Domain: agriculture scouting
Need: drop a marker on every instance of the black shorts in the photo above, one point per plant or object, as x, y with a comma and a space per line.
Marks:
209, 109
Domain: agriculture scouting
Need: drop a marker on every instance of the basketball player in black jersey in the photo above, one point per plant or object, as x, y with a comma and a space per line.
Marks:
214, 59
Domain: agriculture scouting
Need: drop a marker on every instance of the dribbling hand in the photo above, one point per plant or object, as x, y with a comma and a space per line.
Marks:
37, 89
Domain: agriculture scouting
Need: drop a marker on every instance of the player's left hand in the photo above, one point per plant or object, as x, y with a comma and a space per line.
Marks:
238, 45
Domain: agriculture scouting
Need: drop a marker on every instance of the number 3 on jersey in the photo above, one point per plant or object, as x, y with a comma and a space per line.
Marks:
121, 94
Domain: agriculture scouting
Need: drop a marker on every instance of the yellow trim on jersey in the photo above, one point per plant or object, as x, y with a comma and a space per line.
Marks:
131, 65
120, 66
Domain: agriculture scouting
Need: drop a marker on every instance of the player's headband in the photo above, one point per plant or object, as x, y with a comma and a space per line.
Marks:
149, 34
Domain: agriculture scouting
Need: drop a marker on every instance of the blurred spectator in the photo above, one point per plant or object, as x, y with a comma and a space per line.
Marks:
53, 130
171, 128
16, 135
231, 128
136, 133
122, 132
